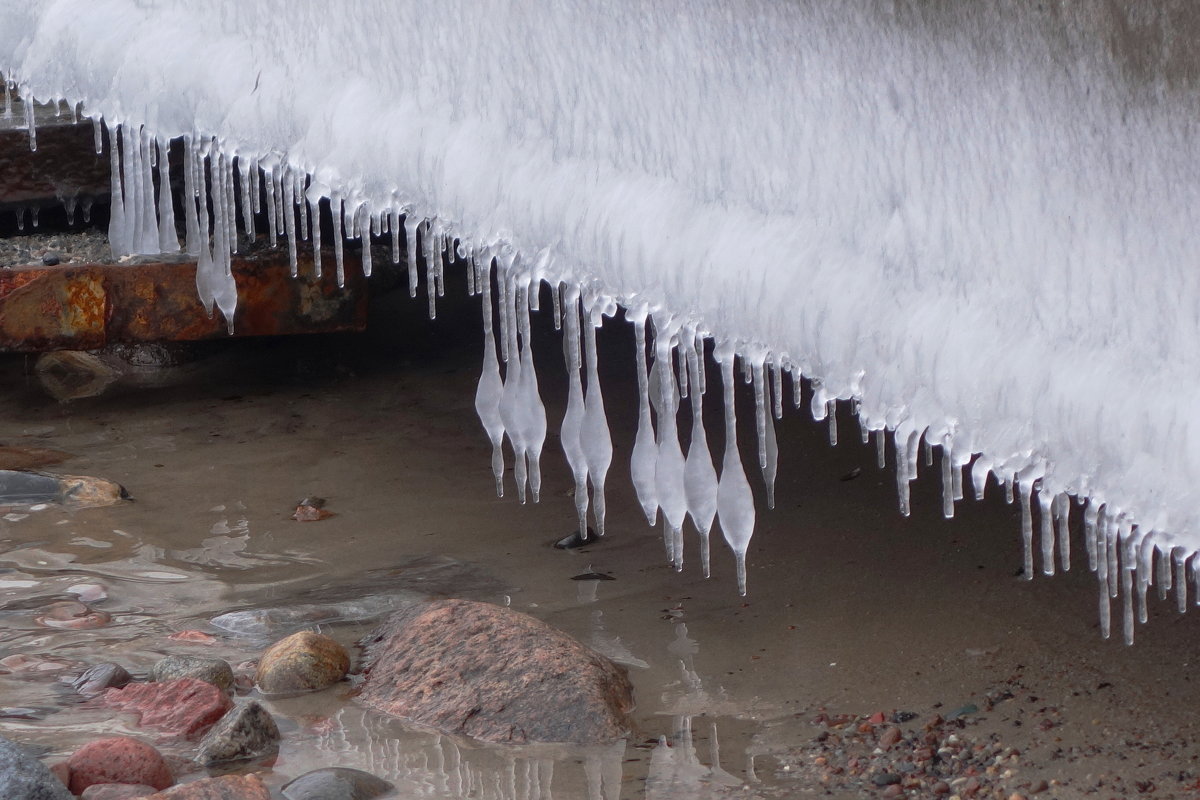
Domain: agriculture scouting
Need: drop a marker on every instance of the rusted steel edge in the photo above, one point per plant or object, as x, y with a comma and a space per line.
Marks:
85, 307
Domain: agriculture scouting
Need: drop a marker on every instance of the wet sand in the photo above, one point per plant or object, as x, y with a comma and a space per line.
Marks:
852, 609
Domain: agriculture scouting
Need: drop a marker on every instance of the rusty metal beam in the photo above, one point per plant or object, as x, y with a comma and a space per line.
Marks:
85, 307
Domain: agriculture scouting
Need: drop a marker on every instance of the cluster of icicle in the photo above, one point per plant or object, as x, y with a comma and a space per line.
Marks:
1126, 559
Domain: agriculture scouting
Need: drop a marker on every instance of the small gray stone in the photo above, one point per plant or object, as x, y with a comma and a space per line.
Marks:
210, 670
247, 731
51, 259
96, 679
336, 783
23, 776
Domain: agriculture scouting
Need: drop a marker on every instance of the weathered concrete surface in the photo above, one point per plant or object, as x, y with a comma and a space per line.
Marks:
494, 674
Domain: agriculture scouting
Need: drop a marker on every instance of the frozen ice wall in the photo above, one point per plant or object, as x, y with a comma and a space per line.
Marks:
976, 221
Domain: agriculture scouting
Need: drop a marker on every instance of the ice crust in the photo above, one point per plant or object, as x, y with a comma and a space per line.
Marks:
977, 222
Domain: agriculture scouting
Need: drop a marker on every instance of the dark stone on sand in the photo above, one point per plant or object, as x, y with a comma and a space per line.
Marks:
336, 783
22, 775
885, 779
494, 674
574, 540
51, 259
303, 662
97, 678
247, 731
210, 670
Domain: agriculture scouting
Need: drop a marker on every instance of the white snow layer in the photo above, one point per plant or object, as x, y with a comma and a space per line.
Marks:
978, 220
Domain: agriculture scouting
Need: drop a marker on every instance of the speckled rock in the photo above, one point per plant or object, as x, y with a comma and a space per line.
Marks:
336, 783
210, 670
303, 662
491, 673
118, 759
97, 678
247, 731
116, 791
22, 775
186, 707
226, 787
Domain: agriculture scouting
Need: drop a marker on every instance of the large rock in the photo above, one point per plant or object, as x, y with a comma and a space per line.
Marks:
118, 759
494, 674
22, 775
246, 732
203, 668
186, 707
336, 783
226, 787
303, 662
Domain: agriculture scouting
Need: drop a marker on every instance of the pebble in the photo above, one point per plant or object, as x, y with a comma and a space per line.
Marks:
226, 787
336, 783
210, 670
23, 776
248, 731
88, 592
97, 678
185, 707
51, 259
303, 662
118, 759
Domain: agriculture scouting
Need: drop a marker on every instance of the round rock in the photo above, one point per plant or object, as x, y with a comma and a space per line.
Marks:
210, 670
97, 678
118, 759
336, 783
303, 662
248, 731
22, 775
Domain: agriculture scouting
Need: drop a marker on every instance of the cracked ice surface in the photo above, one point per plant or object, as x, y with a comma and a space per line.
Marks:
977, 221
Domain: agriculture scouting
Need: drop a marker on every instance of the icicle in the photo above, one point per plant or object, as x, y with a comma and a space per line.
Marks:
735, 502
1144, 555
641, 465
1100, 547
900, 441
1047, 532
1008, 489
947, 481
669, 467
490, 387
927, 451
556, 297
289, 221
394, 227
1062, 519
8, 103
97, 134
1127, 572
364, 233
432, 264
594, 436
831, 414
689, 336
410, 234
276, 202
881, 448
979, 476
272, 218
314, 209
1165, 576
772, 468
956, 475
532, 411
34, 212
699, 476
700, 362
572, 425
255, 187
760, 411
1113, 538
230, 207
1196, 577
191, 223
168, 240
1180, 579
117, 230
134, 219
777, 389
1089, 532
244, 168
30, 121
510, 398
1025, 490
336, 211
301, 193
